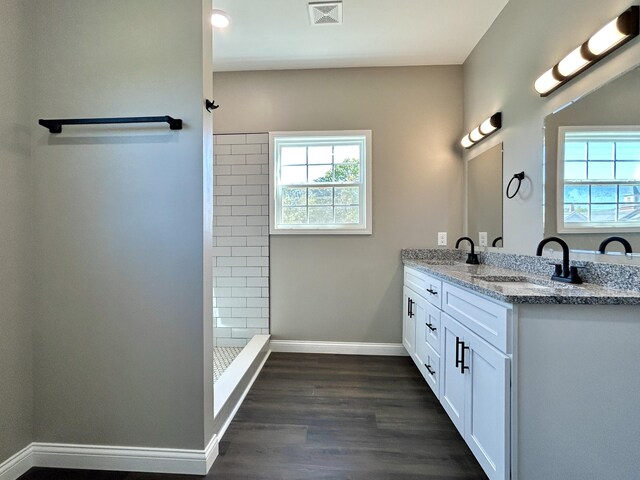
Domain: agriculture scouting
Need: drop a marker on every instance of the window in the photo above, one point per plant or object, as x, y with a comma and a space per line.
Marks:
320, 182
598, 179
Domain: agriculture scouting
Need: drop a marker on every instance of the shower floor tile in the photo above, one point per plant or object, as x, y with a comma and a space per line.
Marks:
222, 358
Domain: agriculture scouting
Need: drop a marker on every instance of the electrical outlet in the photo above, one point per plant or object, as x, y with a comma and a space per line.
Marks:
483, 239
442, 238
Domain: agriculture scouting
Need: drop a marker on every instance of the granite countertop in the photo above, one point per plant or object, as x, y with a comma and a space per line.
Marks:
528, 289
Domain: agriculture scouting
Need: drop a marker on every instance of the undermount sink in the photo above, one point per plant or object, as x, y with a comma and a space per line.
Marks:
521, 281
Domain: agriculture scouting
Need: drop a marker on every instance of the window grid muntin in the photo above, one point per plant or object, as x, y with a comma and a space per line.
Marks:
629, 135
308, 142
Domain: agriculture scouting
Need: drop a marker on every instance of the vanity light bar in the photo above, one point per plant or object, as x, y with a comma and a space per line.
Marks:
609, 38
482, 131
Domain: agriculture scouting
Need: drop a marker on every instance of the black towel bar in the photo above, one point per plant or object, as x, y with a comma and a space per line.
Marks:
55, 126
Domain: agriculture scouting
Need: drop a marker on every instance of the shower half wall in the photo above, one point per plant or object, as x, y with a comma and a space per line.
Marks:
241, 240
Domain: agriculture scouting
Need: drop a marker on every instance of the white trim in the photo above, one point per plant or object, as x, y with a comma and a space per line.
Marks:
342, 348
228, 421
228, 381
101, 457
17, 464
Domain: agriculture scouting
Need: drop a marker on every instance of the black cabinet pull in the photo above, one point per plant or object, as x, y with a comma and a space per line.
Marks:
431, 372
431, 327
458, 342
432, 292
463, 367
410, 308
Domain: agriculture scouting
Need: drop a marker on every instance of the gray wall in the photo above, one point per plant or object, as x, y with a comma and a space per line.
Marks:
123, 296
348, 288
16, 266
525, 40
617, 103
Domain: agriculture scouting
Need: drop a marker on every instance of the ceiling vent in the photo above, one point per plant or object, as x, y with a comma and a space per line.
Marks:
325, 13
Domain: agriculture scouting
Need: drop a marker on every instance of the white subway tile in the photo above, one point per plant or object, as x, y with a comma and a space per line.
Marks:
245, 149
258, 302
265, 231
231, 180
258, 159
219, 190
257, 241
257, 220
221, 312
221, 292
247, 271
246, 251
247, 312
242, 210
265, 189
230, 322
247, 231
232, 282
244, 332
221, 251
223, 332
265, 251
257, 261
257, 322
258, 200
265, 272
265, 148
222, 272
246, 169
265, 312
257, 138
231, 342
265, 292
237, 221
247, 190
265, 210
234, 303
231, 200
245, 292
257, 179
264, 170
223, 231
231, 160
222, 170
232, 262
227, 139
221, 210
257, 282
232, 242
221, 149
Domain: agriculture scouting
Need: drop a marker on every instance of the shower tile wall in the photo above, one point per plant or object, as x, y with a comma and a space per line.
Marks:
241, 238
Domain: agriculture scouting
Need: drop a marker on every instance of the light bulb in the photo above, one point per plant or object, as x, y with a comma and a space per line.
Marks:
220, 19
466, 142
487, 127
572, 63
475, 135
546, 82
606, 38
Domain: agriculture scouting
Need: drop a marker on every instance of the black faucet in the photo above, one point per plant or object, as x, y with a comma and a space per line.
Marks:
472, 258
563, 273
624, 242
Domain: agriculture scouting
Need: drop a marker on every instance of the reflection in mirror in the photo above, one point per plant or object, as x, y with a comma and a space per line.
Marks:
484, 197
592, 167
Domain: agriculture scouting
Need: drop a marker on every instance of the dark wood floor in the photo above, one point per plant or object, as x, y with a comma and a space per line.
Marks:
331, 417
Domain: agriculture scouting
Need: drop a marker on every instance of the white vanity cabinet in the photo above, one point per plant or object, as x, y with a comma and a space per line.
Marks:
461, 346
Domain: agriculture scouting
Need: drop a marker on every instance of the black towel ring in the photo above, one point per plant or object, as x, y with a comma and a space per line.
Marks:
516, 176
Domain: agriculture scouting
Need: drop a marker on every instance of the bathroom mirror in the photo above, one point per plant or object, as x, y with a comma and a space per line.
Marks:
484, 197
592, 167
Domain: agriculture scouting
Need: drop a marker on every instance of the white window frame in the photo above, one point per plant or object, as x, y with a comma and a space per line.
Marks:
585, 227
365, 198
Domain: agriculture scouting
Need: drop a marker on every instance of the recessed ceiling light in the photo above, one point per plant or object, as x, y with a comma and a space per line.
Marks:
220, 19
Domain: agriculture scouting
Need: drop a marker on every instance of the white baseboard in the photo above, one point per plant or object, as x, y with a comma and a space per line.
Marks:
98, 457
17, 465
341, 348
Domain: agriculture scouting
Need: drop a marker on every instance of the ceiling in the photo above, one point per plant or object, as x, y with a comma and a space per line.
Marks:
277, 34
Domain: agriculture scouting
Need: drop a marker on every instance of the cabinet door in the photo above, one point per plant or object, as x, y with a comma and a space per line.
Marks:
408, 322
433, 327
487, 411
452, 388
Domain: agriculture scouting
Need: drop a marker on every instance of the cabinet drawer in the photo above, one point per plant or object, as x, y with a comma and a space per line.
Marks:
432, 327
431, 368
485, 318
427, 286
